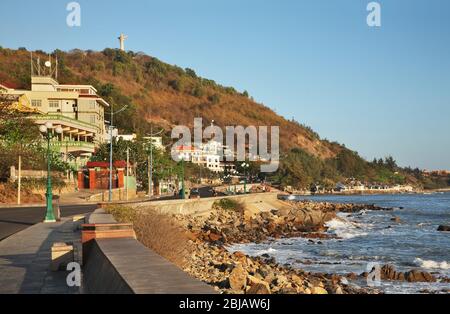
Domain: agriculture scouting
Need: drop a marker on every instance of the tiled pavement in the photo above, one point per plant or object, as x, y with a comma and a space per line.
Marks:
25, 260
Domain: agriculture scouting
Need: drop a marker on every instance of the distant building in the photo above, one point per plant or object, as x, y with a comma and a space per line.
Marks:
211, 155
156, 141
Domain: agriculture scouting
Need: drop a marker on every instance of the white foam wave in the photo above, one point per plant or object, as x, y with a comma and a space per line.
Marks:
344, 229
262, 252
429, 264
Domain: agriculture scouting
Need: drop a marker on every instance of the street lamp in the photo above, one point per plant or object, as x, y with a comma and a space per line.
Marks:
245, 166
111, 138
183, 187
49, 133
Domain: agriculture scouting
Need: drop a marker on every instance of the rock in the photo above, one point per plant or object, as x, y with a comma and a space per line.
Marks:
248, 215
396, 219
238, 278
352, 276
288, 290
283, 212
297, 280
443, 228
259, 288
318, 290
214, 237
418, 276
281, 280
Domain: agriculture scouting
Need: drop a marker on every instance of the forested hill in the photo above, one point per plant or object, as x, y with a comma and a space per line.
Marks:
168, 95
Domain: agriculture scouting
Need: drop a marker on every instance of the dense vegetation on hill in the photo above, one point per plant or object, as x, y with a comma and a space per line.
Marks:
167, 95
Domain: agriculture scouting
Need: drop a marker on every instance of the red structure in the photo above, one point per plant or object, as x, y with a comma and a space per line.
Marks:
96, 175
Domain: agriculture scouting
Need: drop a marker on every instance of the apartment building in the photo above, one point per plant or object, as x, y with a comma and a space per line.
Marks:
76, 108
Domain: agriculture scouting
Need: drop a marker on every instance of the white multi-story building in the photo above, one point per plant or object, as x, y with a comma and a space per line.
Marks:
211, 155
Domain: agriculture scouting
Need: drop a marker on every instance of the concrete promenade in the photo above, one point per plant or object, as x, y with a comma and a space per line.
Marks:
25, 260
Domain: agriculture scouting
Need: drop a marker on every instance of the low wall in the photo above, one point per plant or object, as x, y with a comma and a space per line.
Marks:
124, 265
257, 201
117, 195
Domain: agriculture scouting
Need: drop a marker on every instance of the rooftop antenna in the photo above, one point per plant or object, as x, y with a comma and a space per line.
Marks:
56, 70
122, 38
47, 69
31, 62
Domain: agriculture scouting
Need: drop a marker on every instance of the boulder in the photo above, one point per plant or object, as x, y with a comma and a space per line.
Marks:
259, 288
238, 278
214, 237
418, 276
318, 290
283, 212
444, 228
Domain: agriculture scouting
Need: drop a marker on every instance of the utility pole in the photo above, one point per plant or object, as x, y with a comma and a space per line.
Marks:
128, 174
149, 175
19, 183
150, 161
183, 189
111, 128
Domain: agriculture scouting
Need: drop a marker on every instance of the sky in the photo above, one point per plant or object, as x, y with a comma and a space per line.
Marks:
379, 90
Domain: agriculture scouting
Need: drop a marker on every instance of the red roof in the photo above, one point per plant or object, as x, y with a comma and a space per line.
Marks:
184, 148
105, 164
9, 85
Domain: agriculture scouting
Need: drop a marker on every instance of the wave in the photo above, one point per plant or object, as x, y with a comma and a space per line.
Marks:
344, 229
431, 264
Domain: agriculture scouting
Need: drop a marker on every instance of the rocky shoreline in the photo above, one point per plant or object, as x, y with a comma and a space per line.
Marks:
199, 244
211, 262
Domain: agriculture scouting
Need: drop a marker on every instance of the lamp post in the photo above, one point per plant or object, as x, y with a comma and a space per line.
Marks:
151, 136
49, 133
245, 166
183, 188
111, 139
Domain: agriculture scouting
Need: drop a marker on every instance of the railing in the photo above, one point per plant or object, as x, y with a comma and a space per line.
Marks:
55, 117
72, 144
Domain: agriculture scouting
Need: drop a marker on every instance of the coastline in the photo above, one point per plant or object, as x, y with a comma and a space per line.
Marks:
299, 219
367, 193
210, 236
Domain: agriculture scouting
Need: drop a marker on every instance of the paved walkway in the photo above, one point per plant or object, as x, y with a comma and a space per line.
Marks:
25, 260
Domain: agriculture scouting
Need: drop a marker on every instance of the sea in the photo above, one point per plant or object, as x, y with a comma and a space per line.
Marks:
371, 238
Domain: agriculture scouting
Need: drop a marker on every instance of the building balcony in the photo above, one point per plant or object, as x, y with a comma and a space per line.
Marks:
65, 121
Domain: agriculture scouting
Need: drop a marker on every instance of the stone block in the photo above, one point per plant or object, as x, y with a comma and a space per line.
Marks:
61, 255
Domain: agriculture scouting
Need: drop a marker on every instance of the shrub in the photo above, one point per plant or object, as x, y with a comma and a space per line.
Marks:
215, 99
228, 204
191, 73
176, 85
197, 91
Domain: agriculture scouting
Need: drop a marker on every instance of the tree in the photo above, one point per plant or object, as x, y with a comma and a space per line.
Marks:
177, 85
191, 72
391, 164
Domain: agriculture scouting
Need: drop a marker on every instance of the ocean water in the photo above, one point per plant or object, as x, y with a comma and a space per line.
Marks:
372, 237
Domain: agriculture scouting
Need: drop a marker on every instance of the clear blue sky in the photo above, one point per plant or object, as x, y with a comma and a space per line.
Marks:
380, 91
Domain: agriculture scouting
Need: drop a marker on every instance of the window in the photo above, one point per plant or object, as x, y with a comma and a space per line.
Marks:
53, 103
92, 119
92, 104
36, 102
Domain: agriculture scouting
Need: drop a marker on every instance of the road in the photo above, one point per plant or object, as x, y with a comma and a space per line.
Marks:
13, 220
